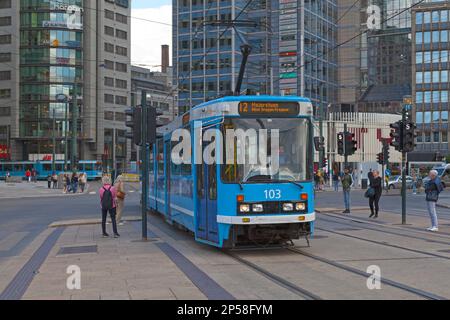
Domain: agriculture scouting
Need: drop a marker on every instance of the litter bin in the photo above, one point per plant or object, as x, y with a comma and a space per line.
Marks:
364, 184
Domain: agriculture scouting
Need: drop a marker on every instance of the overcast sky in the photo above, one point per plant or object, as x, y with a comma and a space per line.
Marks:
147, 37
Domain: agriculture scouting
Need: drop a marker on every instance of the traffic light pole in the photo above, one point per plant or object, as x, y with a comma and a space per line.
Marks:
144, 167
403, 166
345, 147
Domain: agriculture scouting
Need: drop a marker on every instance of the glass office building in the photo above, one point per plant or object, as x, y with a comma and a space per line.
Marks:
431, 67
290, 39
50, 64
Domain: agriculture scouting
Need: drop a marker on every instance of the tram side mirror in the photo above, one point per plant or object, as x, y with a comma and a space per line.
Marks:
319, 143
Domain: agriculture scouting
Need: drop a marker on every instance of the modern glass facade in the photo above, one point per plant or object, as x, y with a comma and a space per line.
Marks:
204, 67
51, 53
431, 66
291, 49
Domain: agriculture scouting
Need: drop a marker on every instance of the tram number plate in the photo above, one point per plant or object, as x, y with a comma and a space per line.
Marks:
268, 109
273, 194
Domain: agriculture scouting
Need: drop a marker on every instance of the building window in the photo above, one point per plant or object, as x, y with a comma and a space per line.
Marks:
5, 111
109, 31
5, 75
5, 93
419, 117
109, 98
444, 116
436, 136
444, 136
427, 117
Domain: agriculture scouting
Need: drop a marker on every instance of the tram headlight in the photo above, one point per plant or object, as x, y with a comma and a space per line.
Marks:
258, 207
244, 208
288, 207
301, 206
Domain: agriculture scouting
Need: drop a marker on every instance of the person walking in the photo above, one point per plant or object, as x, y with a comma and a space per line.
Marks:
83, 182
414, 182
119, 185
55, 180
49, 181
34, 175
8, 175
376, 184
336, 181
28, 175
108, 201
67, 186
347, 182
74, 182
432, 190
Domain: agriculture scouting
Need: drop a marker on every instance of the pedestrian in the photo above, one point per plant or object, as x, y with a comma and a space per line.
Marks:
33, 175
414, 182
28, 175
432, 190
316, 180
336, 181
119, 185
55, 180
67, 186
321, 180
108, 201
376, 184
74, 182
83, 182
8, 175
347, 182
49, 181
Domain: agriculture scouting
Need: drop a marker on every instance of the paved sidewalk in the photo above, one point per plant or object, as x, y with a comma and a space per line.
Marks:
120, 269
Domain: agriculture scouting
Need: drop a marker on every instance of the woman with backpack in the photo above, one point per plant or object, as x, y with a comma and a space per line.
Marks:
108, 201
432, 190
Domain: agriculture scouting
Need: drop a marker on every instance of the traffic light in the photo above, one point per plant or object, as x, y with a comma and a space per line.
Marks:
350, 144
380, 158
135, 124
409, 137
340, 143
325, 163
386, 153
319, 143
397, 135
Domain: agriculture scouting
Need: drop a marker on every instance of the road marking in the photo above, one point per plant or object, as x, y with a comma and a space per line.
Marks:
19, 285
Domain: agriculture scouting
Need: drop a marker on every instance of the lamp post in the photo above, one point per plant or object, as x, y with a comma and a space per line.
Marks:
54, 144
64, 98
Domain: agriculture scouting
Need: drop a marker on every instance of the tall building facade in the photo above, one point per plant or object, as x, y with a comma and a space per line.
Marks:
61, 58
431, 82
290, 42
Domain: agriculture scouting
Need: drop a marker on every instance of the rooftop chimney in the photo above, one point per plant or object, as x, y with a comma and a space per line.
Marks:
165, 64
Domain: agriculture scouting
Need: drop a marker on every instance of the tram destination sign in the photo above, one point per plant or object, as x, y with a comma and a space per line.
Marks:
268, 109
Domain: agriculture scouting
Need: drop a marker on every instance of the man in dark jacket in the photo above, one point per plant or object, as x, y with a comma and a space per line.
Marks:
432, 190
376, 184
347, 182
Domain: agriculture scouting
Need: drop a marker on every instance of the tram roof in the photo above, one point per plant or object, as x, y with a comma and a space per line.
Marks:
213, 109
264, 98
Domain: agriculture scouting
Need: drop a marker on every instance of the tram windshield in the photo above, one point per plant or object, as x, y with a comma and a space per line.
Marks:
265, 160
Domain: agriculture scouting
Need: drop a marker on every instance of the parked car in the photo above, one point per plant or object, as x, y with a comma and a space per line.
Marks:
395, 182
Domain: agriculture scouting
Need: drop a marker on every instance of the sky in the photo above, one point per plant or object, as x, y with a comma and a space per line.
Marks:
147, 37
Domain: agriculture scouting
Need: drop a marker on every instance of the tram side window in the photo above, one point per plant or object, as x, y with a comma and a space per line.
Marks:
160, 157
151, 167
7, 167
186, 169
175, 168
28, 167
88, 167
47, 167
18, 167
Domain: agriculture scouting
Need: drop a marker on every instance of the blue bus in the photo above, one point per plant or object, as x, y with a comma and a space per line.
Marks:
92, 168
230, 204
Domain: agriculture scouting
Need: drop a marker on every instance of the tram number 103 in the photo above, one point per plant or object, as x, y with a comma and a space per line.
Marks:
272, 194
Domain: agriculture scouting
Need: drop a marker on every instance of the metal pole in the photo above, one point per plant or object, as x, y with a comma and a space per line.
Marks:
54, 144
73, 158
144, 174
66, 127
321, 152
403, 166
345, 149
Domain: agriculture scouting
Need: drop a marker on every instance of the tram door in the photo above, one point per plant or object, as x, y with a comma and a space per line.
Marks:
207, 227
168, 177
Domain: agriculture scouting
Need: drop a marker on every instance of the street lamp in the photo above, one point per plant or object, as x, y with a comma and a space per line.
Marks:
64, 98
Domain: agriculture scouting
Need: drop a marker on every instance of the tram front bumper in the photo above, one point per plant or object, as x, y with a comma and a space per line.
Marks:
266, 219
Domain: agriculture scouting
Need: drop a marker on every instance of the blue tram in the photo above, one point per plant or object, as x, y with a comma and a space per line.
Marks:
92, 168
232, 203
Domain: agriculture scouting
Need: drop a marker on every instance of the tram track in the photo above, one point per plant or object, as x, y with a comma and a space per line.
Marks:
367, 224
274, 278
395, 284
